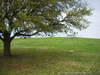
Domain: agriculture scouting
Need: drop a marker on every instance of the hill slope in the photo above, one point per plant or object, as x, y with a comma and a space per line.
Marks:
51, 56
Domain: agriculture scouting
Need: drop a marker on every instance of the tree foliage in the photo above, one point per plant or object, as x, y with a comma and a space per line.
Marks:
31, 17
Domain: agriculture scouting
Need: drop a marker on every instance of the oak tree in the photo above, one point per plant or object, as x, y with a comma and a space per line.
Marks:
31, 17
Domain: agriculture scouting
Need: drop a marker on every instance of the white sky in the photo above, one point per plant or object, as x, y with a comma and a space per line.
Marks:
93, 31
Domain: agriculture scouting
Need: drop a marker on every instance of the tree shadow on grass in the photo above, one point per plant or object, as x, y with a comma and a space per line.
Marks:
30, 61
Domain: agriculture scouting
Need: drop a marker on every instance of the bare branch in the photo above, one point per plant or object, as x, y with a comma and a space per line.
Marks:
22, 34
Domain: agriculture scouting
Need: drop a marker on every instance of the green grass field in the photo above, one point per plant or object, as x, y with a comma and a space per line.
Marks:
52, 56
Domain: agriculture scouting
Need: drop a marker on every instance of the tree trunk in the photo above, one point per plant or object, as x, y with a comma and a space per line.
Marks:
7, 50
7, 44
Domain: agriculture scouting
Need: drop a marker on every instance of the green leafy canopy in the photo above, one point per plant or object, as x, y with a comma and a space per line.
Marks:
31, 17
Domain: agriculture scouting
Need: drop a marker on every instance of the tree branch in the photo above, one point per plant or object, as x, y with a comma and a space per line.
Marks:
1, 31
22, 34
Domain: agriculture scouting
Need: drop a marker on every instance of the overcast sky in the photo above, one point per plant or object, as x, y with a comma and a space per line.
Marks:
93, 31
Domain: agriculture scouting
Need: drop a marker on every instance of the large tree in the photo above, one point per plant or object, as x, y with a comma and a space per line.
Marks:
31, 17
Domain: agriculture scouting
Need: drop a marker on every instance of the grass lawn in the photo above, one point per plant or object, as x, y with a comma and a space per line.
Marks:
52, 56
